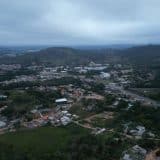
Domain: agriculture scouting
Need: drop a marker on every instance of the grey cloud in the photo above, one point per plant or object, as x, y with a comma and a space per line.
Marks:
79, 21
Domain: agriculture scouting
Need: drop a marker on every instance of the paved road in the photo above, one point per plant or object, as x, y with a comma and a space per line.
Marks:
141, 98
135, 96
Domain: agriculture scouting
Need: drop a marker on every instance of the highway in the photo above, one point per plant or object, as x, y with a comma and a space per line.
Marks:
141, 98
133, 95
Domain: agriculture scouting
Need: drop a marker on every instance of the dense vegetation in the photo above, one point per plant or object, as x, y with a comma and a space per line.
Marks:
54, 56
64, 143
12, 74
39, 144
141, 55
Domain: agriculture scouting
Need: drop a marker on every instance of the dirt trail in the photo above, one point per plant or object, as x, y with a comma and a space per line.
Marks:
105, 115
153, 155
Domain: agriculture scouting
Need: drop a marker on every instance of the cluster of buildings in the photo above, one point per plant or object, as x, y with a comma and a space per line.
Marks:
104, 71
22, 78
134, 153
55, 116
137, 132
10, 67
115, 78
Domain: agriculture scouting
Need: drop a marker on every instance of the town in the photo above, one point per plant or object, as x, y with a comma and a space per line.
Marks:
90, 96
79, 80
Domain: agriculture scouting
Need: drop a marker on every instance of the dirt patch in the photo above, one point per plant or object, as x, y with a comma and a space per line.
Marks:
153, 155
104, 115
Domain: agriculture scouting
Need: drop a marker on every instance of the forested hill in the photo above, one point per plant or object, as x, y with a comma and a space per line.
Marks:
68, 56
149, 54
61, 56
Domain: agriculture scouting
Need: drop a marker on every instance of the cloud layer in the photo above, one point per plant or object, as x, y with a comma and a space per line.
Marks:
77, 22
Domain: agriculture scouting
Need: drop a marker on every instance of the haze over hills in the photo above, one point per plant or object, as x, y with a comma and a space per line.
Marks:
111, 46
65, 55
143, 54
17, 50
32, 48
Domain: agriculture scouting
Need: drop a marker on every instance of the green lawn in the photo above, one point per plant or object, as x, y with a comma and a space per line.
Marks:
101, 122
78, 110
41, 140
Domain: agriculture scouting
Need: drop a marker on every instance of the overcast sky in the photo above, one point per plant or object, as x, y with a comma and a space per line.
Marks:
79, 22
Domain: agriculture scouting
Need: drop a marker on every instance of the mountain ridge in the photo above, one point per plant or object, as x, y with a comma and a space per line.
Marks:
72, 56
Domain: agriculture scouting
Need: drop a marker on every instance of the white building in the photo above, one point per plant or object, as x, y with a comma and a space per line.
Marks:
105, 75
139, 131
2, 124
61, 100
3, 97
65, 120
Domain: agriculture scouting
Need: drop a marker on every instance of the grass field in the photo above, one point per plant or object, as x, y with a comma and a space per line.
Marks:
78, 110
42, 140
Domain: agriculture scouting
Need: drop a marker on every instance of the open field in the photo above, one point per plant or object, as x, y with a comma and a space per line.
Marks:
44, 140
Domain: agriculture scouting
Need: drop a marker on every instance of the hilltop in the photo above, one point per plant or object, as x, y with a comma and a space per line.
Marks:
70, 56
